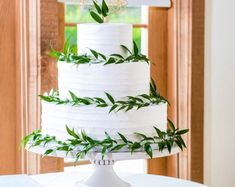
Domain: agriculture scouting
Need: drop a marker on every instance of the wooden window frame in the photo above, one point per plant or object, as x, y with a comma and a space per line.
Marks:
177, 37
29, 78
179, 53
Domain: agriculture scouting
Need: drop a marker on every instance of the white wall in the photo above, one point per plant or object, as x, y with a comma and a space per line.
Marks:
220, 93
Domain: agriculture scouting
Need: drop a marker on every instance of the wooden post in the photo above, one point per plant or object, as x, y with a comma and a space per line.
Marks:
8, 109
52, 33
157, 47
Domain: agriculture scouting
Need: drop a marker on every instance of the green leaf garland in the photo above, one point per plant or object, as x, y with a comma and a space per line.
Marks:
81, 144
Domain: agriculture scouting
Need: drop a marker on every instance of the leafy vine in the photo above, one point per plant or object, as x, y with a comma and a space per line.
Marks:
131, 102
69, 55
102, 12
81, 144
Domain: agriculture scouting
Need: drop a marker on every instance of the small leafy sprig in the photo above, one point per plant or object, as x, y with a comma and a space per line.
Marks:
131, 102
69, 55
68, 52
102, 12
81, 144
134, 56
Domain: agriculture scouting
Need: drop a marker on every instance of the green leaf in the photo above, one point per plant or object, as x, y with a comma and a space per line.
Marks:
55, 54
161, 145
111, 99
171, 124
117, 55
129, 108
100, 100
94, 53
90, 140
159, 132
123, 138
102, 56
136, 50
47, 152
153, 84
168, 146
97, 7
111, 60
179, 138
126, 49
102, 105
84, 136
121, 108
120, 61
141, 135
118, 147
69, 131
67, 45
74, 48
181, 132
135, 146
103, 151
113, 108
140, 100
145, 96
73, 96
105, 9
179, 144
148, 150
96, 17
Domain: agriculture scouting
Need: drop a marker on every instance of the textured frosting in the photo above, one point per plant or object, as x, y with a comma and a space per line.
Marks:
105, 38
92, 80
96, 121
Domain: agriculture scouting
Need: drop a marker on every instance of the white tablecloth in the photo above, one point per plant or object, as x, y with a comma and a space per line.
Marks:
67, 179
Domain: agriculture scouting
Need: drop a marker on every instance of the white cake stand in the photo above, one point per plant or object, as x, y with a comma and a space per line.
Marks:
104, 174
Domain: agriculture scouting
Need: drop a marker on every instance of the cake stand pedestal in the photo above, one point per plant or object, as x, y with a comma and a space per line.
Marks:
104, 174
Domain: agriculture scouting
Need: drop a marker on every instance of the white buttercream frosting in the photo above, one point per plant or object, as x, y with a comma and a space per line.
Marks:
92, 80
105, 38
96, 121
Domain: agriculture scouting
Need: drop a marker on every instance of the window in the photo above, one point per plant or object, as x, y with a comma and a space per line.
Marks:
80, 14
134, 15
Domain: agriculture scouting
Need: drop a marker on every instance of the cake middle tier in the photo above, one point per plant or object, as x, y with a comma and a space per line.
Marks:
96, 121
93, 80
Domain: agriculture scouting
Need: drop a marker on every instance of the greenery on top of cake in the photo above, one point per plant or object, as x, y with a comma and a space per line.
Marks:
102, 12
130, 103
69, 55
81, 144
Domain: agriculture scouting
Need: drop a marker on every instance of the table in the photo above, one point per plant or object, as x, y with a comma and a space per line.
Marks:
67, 179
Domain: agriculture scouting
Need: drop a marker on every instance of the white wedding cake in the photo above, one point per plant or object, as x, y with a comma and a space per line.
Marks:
95, 80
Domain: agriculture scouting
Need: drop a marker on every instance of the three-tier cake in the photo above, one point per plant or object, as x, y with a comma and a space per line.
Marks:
98, 80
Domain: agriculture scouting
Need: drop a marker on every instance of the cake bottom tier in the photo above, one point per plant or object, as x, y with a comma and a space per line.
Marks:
96, 121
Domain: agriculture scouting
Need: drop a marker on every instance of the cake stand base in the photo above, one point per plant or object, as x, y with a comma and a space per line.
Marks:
103, 176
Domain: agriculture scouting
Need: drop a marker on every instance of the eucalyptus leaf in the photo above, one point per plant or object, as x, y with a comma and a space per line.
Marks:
96, 17
98, 9
105, 9
111, 99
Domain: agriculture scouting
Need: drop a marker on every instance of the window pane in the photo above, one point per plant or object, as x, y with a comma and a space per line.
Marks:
80, 14
71, 31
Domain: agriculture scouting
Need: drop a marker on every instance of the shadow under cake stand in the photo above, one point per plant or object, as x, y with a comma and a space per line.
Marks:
104, 174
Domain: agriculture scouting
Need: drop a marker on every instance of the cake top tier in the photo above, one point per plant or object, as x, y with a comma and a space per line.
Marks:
106, 38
